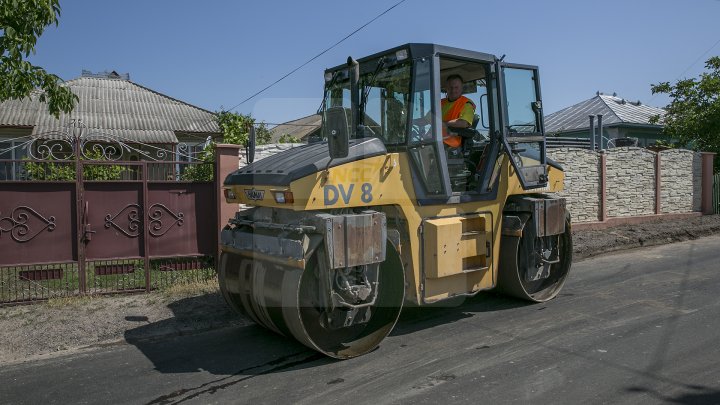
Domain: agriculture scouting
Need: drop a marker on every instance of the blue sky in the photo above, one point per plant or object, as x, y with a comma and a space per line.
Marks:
216, 53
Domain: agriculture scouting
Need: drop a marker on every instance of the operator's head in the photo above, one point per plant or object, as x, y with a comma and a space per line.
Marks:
454, 87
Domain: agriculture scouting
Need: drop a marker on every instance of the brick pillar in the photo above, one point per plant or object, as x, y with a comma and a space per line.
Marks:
226, 162
658, 185
706, 205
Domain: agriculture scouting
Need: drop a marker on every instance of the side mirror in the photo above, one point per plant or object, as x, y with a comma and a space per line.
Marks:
250, 149
336, 132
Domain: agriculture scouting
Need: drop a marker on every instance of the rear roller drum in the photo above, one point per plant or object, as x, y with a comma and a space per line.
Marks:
295, 303
535, 268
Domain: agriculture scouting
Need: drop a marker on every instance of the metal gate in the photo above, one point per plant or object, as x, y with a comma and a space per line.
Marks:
75, 218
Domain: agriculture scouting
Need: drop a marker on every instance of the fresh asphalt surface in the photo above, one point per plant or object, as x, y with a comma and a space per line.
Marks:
641, 326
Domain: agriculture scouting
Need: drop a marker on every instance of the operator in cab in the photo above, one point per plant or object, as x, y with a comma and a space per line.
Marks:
457, 110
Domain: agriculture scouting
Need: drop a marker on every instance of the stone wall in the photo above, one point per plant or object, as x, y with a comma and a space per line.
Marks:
582, 182
630, 182
680, 174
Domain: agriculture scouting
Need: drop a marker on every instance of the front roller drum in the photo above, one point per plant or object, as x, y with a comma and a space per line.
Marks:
518, 259
285, 300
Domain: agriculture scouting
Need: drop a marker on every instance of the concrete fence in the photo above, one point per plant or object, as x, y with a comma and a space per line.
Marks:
608, 186
632, 182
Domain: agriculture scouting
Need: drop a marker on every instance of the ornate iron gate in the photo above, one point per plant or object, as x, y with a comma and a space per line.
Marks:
76, 218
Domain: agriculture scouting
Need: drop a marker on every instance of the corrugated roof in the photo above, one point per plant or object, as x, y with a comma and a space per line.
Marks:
299, 128
615, 110
114, 107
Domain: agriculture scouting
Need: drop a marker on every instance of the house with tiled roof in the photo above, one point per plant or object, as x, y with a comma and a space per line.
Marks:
621, 119
303, 129
111, 107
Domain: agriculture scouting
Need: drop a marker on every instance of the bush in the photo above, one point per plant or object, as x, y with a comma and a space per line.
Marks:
65, 171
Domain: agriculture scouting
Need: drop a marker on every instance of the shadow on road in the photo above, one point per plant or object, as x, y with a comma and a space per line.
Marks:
698, 395
233, 351
413, 319
232, 345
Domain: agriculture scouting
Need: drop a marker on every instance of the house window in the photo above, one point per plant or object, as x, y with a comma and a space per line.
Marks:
11, 153
187, 152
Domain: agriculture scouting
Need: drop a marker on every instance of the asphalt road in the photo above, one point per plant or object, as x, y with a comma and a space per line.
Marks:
636, 327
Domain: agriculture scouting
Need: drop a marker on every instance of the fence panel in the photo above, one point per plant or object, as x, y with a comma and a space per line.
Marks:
73, 222
37, 223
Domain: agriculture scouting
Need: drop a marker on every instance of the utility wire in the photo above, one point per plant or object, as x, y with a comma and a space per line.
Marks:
698, 59
690, 66
317, 56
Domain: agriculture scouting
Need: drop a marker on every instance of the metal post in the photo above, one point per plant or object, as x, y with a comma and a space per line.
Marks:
79, 207
603, 187
146, 231
592, 129
600, 131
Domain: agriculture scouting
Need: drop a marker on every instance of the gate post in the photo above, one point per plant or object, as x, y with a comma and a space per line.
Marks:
706, 205
80, 210
226, 161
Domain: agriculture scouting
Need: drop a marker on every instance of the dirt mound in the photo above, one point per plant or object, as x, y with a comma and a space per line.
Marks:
589, 243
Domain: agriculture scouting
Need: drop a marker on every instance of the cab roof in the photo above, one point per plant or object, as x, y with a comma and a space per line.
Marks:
420, 50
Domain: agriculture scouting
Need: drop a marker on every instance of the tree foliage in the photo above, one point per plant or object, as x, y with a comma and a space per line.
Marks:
235, 128
21, 23
693, 115
287, 138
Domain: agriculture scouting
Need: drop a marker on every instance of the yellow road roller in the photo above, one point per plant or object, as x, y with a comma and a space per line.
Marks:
379, 211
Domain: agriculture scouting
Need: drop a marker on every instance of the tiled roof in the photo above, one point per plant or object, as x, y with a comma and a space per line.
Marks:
614, 110
299, 128
115, 107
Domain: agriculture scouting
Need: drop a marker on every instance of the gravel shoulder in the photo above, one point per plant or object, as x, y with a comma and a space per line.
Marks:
65, 325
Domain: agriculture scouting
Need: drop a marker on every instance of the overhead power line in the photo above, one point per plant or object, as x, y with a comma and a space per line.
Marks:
316, 56
689, 67
698, 59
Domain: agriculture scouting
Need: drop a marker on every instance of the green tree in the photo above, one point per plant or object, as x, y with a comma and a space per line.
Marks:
21, 23
693, 115
287, 138
235, 128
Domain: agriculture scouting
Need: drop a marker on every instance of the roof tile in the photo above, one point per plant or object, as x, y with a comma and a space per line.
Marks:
114, 107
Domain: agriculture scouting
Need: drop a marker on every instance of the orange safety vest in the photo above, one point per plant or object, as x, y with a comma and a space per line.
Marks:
454, 141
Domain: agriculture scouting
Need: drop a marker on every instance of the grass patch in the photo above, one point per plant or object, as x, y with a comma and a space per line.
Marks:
191, 288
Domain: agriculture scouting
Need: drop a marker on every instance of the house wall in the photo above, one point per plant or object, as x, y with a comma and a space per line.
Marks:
645, 136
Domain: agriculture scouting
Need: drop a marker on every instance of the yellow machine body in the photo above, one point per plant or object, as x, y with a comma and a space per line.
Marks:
450, 250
